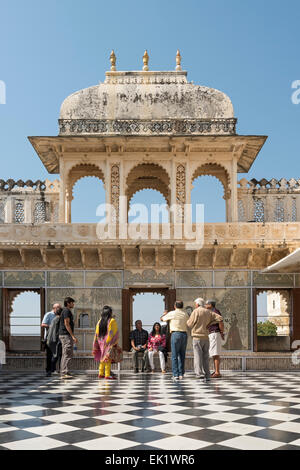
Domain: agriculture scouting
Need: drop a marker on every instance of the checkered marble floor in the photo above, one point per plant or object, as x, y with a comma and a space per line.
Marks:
239, 411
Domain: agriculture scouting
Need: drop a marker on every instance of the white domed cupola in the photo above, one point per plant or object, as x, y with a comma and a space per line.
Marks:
147, 103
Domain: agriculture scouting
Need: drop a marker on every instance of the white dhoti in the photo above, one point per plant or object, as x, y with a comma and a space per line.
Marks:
215, 344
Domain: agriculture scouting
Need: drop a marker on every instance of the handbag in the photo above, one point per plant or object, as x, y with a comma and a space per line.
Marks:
116, 354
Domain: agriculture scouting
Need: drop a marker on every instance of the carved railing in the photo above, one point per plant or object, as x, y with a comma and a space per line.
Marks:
147, 127
269, 200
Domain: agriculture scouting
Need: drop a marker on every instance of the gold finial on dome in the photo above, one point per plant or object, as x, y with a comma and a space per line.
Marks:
146, 61
178, 60
113, 61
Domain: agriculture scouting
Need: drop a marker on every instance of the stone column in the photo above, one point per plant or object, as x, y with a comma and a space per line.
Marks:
114, 186
62, 193
9, 210
68, 206
122, 193
297, 208
180, 187
28, 210
234, 198
172, 189
228, 206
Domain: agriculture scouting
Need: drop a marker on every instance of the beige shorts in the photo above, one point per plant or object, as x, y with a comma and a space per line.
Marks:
215, 344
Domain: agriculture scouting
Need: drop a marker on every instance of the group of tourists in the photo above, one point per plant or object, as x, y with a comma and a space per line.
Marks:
205, 324
207, 330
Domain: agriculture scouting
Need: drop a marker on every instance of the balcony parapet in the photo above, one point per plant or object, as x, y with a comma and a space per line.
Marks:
147, 127
272, 185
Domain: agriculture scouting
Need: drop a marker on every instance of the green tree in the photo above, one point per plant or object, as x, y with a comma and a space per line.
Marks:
266, 328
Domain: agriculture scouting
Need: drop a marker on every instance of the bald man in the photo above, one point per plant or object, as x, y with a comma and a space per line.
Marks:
47, 320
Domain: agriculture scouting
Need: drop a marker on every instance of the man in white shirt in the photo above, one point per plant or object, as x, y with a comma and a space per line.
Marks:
178, 328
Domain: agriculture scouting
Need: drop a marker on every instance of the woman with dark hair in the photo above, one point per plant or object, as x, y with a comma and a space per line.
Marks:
106, 338
156, 344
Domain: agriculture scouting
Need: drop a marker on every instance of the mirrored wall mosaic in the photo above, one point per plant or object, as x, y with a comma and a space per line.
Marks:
148, 276
93, 289
88, 307
272, 280
90, 301
194, 278
65, 278
232, 278
103, 279
235, 306
24, 278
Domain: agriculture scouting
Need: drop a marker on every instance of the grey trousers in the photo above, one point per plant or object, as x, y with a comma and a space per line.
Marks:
201, 357
67, 353
135, 358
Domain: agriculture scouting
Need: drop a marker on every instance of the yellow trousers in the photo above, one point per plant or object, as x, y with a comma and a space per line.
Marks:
105, 366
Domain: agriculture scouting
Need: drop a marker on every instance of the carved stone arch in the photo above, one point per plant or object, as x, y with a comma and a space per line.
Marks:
218, 171
80, 171
9, 297
138, 187
283, 321
14, 294
148, 176
131, 165
284, 295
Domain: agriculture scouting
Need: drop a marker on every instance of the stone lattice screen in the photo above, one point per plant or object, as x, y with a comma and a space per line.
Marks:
29, 202
269, 201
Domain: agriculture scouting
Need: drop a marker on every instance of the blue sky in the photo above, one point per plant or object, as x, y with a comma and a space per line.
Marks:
248, 49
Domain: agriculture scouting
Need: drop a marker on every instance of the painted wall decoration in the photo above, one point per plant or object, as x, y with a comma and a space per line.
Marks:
235, 306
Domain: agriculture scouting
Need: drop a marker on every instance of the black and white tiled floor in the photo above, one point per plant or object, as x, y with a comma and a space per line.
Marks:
239, 411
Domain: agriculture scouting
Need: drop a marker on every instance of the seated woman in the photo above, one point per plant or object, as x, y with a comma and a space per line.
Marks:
156, 343
106, 337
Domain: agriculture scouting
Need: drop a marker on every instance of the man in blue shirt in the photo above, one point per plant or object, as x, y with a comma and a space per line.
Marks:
47, 320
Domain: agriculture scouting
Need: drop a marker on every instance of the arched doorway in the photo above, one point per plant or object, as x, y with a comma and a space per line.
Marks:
149, 206
25, 322
167, 295
147, 307
210, 186
90, 193
23, 310
273, 319
209, 191
148, 176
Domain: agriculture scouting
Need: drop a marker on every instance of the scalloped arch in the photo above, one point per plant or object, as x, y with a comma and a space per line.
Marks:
148, 176
216, 170
142, 189
16, 294
83, 170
